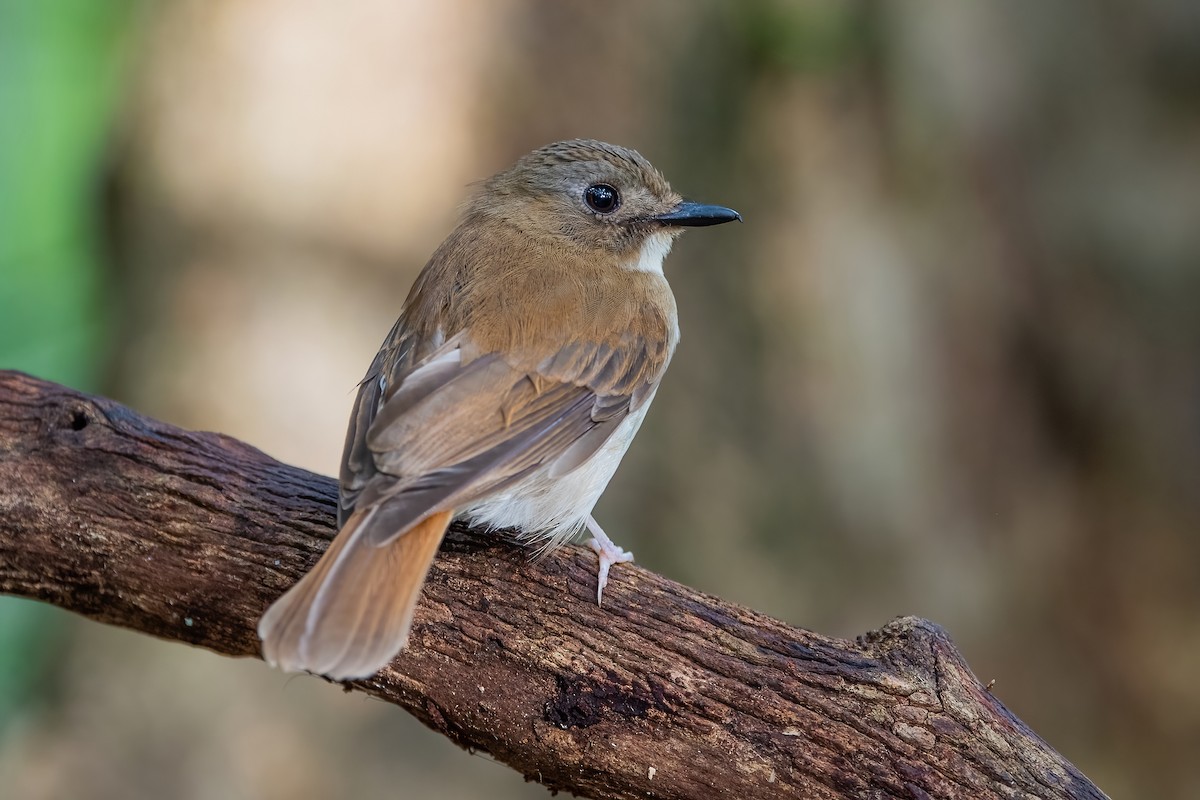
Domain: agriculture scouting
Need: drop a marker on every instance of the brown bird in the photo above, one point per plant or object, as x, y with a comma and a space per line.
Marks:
523, 362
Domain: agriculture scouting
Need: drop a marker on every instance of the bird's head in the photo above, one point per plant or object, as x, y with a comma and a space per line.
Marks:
596, 198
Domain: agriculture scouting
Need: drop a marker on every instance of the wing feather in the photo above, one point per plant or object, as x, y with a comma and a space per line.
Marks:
459, 425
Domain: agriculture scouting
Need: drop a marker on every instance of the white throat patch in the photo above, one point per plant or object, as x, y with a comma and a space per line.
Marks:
654, 250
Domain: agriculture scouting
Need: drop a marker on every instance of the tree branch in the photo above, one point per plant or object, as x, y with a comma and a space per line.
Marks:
663, 692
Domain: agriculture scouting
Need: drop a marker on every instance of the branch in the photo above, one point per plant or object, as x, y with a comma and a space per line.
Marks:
663, 692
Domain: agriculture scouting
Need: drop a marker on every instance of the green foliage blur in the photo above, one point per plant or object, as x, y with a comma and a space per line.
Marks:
60, 74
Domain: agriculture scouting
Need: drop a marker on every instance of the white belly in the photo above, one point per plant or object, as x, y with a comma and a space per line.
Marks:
551, 510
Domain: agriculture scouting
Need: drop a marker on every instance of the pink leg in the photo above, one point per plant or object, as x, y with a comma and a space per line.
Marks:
609, 554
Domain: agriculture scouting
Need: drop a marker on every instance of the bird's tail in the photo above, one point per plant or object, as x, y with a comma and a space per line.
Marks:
350, 615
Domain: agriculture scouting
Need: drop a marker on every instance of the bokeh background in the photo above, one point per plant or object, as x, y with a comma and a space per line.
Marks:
950, 366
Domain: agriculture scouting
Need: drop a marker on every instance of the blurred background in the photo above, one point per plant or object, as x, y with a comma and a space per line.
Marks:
950, 366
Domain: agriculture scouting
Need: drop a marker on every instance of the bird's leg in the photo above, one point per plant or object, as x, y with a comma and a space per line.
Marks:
608, 552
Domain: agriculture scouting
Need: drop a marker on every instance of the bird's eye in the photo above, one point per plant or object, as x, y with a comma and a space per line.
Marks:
602, 198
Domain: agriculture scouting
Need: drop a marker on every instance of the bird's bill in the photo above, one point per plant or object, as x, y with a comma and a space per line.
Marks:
698, 215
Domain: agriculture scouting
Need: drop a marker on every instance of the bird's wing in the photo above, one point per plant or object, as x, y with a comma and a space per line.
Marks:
397, 357
460, 425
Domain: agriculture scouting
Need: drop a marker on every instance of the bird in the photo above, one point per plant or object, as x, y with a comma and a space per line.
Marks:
523, 362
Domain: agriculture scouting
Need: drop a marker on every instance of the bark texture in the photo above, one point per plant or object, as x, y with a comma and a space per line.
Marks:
664, 692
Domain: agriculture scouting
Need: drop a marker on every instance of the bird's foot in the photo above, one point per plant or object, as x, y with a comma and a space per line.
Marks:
609, 554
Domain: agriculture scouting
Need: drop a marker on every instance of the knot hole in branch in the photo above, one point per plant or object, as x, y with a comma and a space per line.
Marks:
77, 418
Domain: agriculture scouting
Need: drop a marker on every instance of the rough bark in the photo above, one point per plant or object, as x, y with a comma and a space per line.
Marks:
664, 692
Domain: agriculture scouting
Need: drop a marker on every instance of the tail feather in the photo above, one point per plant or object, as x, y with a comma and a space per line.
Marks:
350, 615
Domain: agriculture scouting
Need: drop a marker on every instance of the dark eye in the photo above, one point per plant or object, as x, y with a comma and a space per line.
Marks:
602, 198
